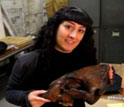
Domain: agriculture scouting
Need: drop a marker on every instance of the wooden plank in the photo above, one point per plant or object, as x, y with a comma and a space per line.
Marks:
9, 53
8, 27
2, 31
17, 40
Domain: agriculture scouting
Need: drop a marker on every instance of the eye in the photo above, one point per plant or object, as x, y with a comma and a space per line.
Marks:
68, 26
81, 31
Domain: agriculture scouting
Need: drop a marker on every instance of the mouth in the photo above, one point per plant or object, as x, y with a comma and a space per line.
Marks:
70, 42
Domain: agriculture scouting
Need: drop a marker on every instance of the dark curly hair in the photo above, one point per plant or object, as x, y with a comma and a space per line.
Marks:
46, 35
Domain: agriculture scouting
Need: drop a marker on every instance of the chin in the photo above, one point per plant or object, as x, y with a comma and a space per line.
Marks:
69, 51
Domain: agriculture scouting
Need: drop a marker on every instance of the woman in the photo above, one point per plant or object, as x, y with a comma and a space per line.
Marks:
64, 44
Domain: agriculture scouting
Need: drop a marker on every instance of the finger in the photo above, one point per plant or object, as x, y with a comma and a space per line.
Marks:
111, 75
37, 92
43, 91
111, 72
42, 99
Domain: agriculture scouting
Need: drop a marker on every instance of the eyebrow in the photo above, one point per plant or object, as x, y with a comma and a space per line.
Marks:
81, 26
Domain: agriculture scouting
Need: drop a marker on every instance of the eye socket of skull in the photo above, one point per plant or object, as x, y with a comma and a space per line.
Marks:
72, 83
95, 91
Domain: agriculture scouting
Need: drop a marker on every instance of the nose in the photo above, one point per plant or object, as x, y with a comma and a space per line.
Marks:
73, 34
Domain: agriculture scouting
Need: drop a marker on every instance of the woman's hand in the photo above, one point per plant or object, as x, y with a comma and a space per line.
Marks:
35, 100
111, 74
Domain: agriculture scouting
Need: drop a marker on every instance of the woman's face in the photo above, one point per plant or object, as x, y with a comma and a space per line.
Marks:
69, 35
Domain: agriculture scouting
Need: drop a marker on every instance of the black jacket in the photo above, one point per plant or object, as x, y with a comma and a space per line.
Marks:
27, 75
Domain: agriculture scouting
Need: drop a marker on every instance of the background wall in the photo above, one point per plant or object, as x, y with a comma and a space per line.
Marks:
112, 31
108, 17
24, 17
